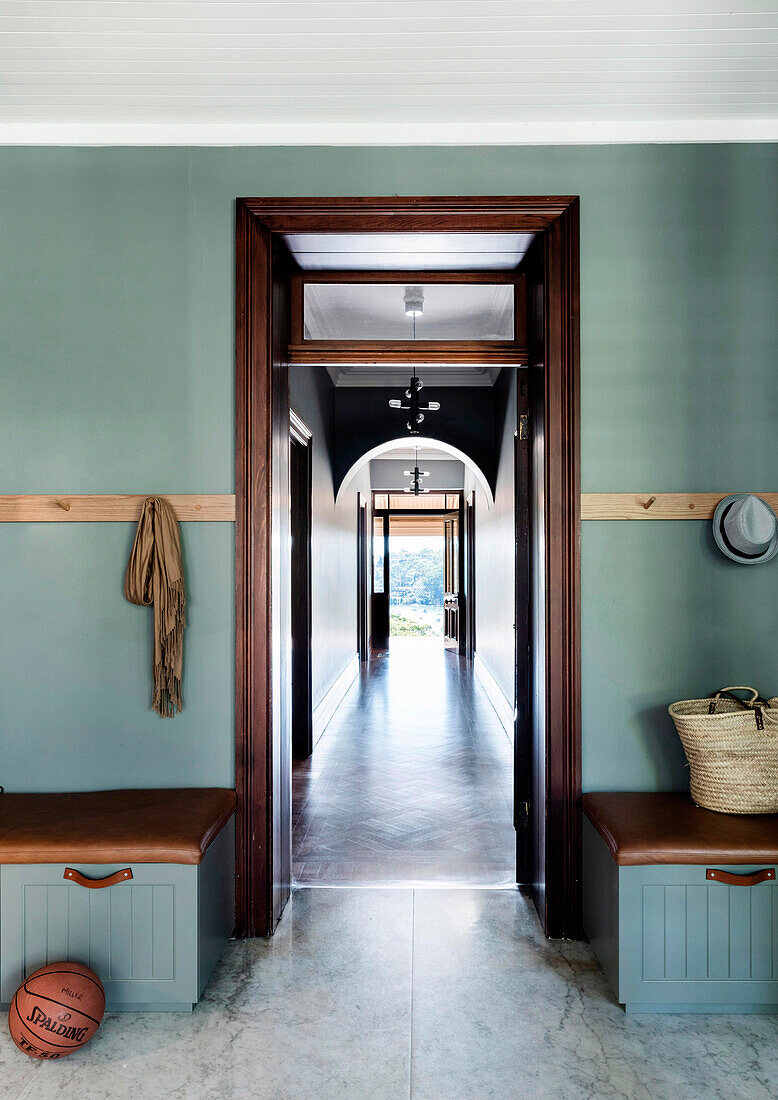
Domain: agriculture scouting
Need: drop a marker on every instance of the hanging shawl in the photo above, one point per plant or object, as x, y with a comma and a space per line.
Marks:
155, 576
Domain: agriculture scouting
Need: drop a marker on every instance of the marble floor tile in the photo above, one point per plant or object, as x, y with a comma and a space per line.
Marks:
16, 1070
499, 1011
322, 1010
375, 994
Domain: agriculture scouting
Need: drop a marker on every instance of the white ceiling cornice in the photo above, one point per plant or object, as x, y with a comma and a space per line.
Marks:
388, 376
388, 133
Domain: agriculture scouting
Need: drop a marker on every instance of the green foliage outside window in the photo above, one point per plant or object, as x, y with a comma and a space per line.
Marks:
417, 576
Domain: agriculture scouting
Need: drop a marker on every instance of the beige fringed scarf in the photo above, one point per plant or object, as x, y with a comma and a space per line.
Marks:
155, 576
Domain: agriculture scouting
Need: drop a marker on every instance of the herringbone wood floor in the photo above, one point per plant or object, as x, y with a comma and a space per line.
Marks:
412, 781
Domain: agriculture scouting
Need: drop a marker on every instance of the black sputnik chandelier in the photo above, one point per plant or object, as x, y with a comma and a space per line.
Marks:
414, 307
416, 475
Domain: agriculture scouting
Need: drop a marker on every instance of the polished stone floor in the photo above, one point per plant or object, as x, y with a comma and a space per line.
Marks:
412, 781
391, 994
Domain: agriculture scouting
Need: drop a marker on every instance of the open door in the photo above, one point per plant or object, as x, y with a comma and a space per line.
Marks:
522, 716
548, 765
379, 602
453, 625
300, 531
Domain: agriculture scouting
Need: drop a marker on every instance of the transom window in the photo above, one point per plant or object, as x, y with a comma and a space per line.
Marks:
378, 316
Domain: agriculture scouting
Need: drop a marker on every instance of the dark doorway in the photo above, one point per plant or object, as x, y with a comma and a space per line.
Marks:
470, 577
363, 578
300, 533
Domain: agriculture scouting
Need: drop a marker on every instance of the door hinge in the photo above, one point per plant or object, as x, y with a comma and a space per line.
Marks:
524, 426
522, 815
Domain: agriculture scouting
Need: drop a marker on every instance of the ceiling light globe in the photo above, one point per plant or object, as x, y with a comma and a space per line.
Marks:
413, 301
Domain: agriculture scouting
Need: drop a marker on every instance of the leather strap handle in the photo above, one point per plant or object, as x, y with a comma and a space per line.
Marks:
746, 704
755, 703
752, 879
97, 883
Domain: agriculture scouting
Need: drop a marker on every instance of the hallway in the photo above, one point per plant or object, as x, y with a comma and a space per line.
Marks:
411, 782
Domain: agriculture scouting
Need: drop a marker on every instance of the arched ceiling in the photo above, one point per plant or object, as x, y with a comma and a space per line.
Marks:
427, 447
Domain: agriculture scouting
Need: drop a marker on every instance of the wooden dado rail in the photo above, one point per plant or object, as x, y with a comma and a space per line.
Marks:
221, 507
107, 509
658, 505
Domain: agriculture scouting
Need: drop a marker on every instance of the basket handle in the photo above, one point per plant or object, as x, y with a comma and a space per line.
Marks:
755, 703
730, 693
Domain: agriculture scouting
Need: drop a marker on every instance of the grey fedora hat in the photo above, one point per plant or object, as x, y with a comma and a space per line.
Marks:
746, 529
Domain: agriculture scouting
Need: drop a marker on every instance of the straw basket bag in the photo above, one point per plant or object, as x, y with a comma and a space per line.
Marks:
732, 748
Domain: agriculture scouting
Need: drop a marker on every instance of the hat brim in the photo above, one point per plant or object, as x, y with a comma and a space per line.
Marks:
729, 551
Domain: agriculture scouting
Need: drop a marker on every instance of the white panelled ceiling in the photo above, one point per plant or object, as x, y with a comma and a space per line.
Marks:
408, 251
370, 71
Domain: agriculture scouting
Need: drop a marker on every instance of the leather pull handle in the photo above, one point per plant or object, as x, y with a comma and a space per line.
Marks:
717, 875
97, 883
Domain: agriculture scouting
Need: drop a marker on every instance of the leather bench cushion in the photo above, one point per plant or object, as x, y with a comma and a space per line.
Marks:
643, 828
135, 826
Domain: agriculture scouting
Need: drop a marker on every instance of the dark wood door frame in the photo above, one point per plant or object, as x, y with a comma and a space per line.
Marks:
262, 401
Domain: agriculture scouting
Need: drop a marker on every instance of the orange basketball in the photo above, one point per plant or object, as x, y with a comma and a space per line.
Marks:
56, 1010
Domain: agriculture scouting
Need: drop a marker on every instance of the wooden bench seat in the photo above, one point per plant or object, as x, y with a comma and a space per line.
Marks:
136, 884
140, 826
645, 828
681, 904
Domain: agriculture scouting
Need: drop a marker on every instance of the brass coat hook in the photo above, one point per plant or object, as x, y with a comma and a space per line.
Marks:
63, 504
649, 502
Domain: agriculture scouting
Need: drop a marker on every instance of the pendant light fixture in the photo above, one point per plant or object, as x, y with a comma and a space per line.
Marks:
416, 475
413, 301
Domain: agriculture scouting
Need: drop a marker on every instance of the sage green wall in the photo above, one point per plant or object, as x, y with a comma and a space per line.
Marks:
116, 367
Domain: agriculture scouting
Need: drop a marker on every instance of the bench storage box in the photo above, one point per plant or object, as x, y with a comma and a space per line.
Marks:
156, 929
681, 904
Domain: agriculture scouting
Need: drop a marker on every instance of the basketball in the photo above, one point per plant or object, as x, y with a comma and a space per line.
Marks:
56, 1010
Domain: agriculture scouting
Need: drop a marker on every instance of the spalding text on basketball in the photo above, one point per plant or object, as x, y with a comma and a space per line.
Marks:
40, 1019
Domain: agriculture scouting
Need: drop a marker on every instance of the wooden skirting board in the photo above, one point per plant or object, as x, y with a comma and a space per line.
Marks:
657, 505
503, 707
325, 709
66, 508
106, 509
